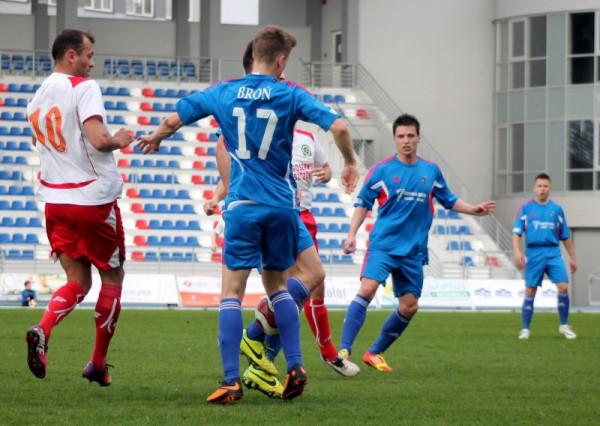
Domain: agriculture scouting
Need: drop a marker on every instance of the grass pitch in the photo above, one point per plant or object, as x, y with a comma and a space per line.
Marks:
449, 368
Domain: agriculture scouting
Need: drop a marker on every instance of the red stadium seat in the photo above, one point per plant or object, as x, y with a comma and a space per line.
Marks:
197, 179
127, 149
144, 121
124, 177
198, 165
137, 208
3, 87
145, 106
362, 113
123, 162
202, 137
138, 256
132, 193
216, 257
140, 240
200, 150
1, 102
148, 92
214, 123
141, 224
369, 227
220, 242
208, 194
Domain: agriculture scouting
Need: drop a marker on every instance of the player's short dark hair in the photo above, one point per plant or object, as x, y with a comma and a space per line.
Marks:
406, 120
271, 42
69, 39
26, 283
247, 59
543, 176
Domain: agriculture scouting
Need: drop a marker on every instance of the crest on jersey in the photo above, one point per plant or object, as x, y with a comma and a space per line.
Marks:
306, 150
396, 179
424, 179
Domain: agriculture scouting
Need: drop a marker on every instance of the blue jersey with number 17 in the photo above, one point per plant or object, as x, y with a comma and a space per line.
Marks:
257, 115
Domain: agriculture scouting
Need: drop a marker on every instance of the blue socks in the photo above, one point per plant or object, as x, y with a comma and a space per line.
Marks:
230, 336
255, 332
272, 346
527, 312
298, 291
391, 330
288, 322
355, 318
563, 308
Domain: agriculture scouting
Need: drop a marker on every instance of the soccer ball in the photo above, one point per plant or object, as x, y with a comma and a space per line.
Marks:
265, 317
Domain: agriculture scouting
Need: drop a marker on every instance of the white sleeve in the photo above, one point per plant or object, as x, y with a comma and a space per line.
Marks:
89, 102
320, 155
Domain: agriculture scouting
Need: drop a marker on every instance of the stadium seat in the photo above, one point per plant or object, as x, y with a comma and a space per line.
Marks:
166, 240
467, 261
34, 222
137, 256
167, 224
141, 224
151, 256
453, 246
165, 257
7, 221
21, 222
32, 239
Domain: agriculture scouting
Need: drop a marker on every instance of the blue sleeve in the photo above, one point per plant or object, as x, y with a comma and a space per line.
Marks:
442, 193
198, 105
314, 111
519, 225
369, 191
563, 228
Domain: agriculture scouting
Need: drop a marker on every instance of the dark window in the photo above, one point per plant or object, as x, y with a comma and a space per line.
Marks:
579, 181
518, 39
581, 144
537, 73
537, 36
582, 70
582, 33
518, 75
518, 147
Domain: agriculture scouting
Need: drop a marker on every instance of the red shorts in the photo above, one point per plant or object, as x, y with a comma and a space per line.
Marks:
309, 221
90, 233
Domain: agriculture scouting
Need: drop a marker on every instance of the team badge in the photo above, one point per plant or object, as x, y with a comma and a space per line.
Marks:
306, 150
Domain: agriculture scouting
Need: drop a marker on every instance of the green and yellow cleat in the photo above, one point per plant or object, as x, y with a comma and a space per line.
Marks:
254, 351
255, 378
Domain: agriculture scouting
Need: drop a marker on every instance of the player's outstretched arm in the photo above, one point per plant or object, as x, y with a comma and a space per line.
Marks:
481, 209
519, 258
150, 143
322, 174
100, 138
343, 141
568, 243
358, 217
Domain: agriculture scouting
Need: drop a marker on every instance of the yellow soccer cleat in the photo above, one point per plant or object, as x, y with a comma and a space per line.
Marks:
262, 381
254, 351
376, 361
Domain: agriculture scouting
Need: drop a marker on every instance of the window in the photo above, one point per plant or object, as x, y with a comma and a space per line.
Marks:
140, 8
580, 155
522, 53
581, 51
99, 5
239, 12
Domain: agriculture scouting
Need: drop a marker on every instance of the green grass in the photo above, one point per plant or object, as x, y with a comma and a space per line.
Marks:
449, 368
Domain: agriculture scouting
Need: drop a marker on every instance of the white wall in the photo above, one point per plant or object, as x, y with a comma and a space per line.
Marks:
513, 8
435, 58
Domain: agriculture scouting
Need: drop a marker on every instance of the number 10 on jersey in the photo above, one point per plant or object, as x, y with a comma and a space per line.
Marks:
268, 114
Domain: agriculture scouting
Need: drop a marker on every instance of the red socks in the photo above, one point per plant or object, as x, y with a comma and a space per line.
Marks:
62, 302
318, 320
107, 312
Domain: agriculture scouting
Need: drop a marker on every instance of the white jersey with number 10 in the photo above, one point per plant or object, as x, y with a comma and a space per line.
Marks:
72, 170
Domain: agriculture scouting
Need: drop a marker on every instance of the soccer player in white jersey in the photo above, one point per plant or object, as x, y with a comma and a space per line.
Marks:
80, 183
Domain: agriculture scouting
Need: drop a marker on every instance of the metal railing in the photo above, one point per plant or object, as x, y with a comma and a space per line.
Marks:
594, 288
326, 74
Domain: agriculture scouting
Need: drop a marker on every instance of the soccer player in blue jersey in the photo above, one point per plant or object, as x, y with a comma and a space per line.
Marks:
257, 114
404, 185
544, 226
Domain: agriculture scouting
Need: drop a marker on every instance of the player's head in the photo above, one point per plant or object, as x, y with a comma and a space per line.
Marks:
27, 284
542, 186
406, 130
73, 52
248, 59
272, 47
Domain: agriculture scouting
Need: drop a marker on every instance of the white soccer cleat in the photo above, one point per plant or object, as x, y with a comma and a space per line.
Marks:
524, 334
343, 366
566, 331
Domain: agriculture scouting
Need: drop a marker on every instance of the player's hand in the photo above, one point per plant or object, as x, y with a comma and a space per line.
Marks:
485, 208
572, 264
147, 144
210, 207
519, 260
322, 174
349, 177
350, 244
123, 137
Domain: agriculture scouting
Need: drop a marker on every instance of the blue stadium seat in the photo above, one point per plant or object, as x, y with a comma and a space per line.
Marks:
188, 209
440, 230
5, 205
177, 257
166, 240
124, 91
109, 105
325, 258
145, 193
151, 256
150, 208
192, 241
7, 221
467, 261
162, 208
6, 116
171, 93
183, 194
154, 224
34, 222
5, 238
153, 240
179, 241
327, 98
190, 257
175, 209
339, 99
334, 227
27, 255
182, 93
147, 163
323, 243
161, 164
159, 93
21, 160
144, 178
315, 211
18, 238
17, 205
466, 246
340, 212
193, 224
465, 230
453, 246
32, 239
13, 254
333, 198
168, 224
453, 230
320, 197
171, 193
321, 227
165, 257
31, 205
441, 214
21, 222
25, 146
174, 164
345, 228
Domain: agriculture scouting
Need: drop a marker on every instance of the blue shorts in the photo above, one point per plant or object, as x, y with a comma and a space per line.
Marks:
256, 234
305, 240
407, 272
536, 266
